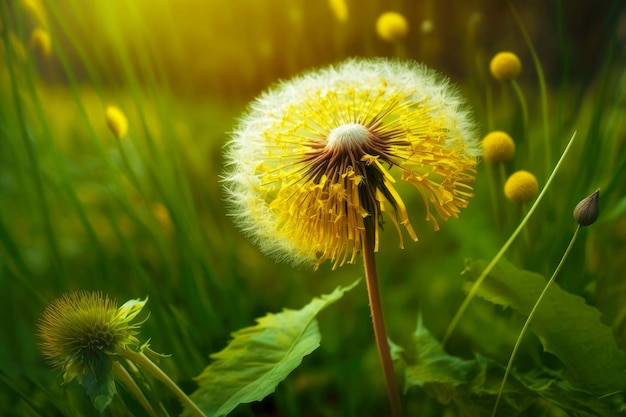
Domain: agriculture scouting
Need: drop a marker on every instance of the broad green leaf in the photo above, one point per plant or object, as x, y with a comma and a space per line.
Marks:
566, 326
260, 357
472, 384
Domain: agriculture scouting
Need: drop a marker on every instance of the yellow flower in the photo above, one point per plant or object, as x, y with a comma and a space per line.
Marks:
82, 330
498, 146
521, 187
40, 40
505, 65
314, 161
339, 9
117, 122
392, 26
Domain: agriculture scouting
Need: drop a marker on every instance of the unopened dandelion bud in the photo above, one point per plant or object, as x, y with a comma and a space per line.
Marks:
392, 26
586, 212
498, 146
40, 40
117, 122
505, 66
521, 187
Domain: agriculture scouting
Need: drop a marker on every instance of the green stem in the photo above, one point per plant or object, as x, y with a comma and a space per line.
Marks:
542, 88
380, 334
504, 248
122, 375
522, 103
141, 359
530, 317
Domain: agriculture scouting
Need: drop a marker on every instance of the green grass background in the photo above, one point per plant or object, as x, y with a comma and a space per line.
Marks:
144, 216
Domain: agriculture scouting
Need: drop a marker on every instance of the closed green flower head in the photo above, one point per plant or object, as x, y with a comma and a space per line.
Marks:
82, 332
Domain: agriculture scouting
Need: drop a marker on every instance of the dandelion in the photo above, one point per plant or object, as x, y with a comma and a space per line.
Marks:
392, 26
40, 40
498, 146
314, 162
117, 122
84, 329
505, 66
521, 187
86, 335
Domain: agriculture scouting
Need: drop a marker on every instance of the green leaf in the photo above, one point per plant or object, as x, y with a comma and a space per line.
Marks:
472, 384
260, 357
566, 326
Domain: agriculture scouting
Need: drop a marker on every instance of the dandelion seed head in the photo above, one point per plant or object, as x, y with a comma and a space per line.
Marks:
314, 160
521, 187
82, 330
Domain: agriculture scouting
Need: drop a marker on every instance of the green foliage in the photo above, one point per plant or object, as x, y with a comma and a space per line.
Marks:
260, 357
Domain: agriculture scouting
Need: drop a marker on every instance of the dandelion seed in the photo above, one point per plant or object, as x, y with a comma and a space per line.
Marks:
315, 160
392, 26
521, 187
117, 122
505, 66
498, 146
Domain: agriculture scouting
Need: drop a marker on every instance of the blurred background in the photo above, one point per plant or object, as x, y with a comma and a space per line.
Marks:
144, 215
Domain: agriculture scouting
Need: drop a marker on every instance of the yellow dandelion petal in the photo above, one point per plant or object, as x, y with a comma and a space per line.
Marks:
505, 65
314, 161
392, 26
117, 122
521, 187
339, 9
40, 40
498, 146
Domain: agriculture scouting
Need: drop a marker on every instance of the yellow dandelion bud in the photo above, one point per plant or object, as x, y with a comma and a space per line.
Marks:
40, 40
339, 9
498, 146
505, 65
521, 187
392, 26
117, 122
314, 161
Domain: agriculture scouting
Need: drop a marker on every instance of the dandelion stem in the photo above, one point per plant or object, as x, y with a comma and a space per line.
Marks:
530, 317
522, 103
141, 359
122, 375
376, 309
472, 292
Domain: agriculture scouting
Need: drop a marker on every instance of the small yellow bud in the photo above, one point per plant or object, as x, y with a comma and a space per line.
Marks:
117, 122
521, 187
339, 9
392, 26
505, 65
498, 146
40, 40
586, 212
